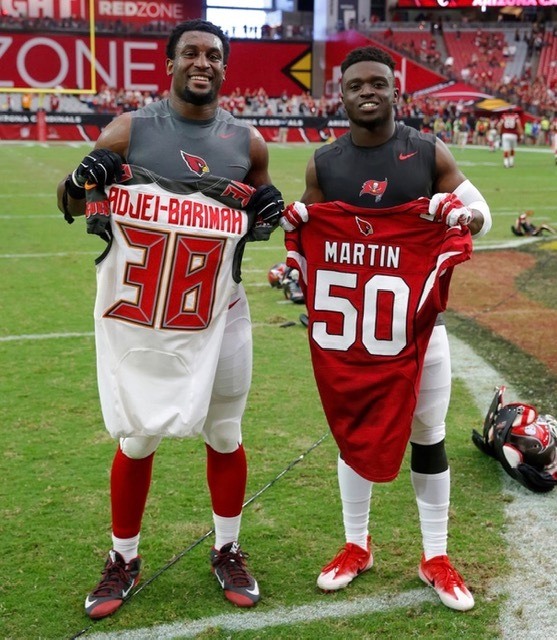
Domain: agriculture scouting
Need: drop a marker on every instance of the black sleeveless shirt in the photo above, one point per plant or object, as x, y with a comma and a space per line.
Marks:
396, 172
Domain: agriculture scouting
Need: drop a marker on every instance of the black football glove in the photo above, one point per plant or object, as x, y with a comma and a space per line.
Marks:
97, 213
101, 167
266, 204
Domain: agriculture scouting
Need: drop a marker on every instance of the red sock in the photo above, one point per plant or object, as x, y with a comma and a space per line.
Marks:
129, 485
227, 476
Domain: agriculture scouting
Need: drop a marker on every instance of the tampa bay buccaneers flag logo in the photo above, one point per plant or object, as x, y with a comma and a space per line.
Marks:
374, 188
195, 163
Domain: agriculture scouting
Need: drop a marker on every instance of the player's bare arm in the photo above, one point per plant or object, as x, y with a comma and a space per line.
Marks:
115, 137
296, 213
267, 202
313, 191
258, 174
450, 179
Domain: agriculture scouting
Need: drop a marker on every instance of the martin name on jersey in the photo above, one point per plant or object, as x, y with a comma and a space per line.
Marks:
374, 282
164, 286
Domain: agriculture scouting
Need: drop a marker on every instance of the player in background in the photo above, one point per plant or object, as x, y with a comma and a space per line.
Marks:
397, 164
184, 136
524, 226
511, 131
492, 135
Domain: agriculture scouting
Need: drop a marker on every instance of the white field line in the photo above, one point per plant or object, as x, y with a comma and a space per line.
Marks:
63, 254
254, 620
485, 246
26, 337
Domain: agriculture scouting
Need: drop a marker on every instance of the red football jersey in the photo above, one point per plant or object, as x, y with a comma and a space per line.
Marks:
374, 282
510, 123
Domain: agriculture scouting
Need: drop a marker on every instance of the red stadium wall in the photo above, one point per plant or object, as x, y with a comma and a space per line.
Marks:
138, 63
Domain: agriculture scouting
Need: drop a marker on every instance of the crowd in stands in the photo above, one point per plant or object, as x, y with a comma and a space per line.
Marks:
481, 57
155, 27
455, 122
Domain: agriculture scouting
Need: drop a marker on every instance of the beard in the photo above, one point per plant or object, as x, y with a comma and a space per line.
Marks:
375, 122
198, 99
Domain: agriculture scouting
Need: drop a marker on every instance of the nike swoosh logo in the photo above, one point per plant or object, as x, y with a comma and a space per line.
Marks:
89, 603
221, 581
125, 593
405, 156
254, 591
225, 136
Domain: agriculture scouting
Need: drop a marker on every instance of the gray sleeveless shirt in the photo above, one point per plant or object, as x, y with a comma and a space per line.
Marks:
175, 147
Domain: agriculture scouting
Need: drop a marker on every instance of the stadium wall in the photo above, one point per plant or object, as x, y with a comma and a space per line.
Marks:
86, 127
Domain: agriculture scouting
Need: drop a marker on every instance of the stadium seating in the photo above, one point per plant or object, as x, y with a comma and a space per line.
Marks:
547, 66
478, 52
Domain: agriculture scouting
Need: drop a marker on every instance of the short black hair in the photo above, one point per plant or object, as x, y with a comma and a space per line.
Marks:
196, 25
367, 54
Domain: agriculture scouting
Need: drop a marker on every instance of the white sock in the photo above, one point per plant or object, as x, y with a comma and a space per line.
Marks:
355, 493
128, 548
433, 496
226, 530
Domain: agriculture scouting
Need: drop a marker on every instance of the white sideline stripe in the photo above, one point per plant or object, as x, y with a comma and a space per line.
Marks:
251, 621
46, 336
63, 254
529, 611
90, 334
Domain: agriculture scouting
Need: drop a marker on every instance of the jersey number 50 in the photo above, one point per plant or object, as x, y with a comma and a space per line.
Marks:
368, 314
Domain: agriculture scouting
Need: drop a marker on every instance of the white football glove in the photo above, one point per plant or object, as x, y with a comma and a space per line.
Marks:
293, 216
447, 208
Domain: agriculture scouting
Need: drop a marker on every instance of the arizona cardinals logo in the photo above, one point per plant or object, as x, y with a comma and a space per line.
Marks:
364, 226
375, 188
239, 191
195, 163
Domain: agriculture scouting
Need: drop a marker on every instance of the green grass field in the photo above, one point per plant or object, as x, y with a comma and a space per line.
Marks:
56, 455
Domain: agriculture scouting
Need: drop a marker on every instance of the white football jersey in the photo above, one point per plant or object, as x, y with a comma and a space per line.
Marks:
163, 290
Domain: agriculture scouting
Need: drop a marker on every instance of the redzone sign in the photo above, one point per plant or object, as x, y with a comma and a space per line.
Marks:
141, 11
136, 11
